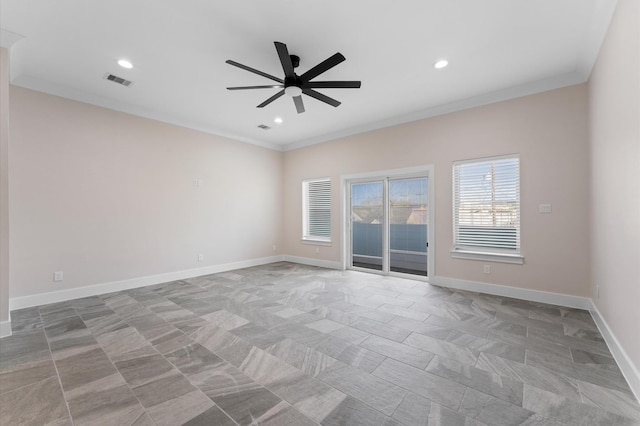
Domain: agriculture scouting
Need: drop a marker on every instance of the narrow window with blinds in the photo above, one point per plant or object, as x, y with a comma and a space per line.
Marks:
316, 210
486, 209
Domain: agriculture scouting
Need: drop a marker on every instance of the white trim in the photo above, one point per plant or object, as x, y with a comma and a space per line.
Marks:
5, 328
515, 292
526, 89
8, 39
629, 370
93, 290
329, 264
67, 92
489, 257
427, 171
313, 242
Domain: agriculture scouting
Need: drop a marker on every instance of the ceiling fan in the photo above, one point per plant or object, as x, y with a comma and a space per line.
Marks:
294, 85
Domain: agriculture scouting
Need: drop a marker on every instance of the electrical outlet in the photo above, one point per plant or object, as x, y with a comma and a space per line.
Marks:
58, 276
487, 269
317, 250
200, 257
274, 248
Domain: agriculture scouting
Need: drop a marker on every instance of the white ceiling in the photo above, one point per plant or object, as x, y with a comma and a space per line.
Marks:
497, 49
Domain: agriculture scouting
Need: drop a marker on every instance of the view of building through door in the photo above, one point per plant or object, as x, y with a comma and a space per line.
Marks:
389, 225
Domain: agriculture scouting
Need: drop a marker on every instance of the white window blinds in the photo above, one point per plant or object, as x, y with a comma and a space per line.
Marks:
486, 205
316, 211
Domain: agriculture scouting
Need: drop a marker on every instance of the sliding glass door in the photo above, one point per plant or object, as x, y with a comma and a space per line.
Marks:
389, 225
408, 215
367, 223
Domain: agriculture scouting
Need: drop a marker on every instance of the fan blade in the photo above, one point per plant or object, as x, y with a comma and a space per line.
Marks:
275, 86
285, 59
299, 105
271, 99
323, 66
253, 70
321, 97
332, 84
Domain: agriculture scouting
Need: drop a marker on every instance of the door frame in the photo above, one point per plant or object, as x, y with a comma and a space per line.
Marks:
345, 222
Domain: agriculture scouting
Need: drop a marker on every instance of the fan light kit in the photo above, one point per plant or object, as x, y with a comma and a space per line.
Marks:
441, 63
125, 64
294, 85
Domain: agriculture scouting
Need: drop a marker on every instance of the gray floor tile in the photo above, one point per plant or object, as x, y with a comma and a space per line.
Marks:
421, 327
381, 329
140, 370
105, 406
212, 416
194, 361
181, 409
492, 410
354, 413
361, 358
556, 407
427, 385
365, 387
595, 375
26, 374
407, 354
610, 400
25, 320
23, 348
533, 376
247, 404
287, 344
442, 348
256, 335
480, 344
493, 384
84, 368
37, 403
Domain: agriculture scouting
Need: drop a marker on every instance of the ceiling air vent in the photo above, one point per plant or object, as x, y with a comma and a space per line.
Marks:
264, 126
118, 80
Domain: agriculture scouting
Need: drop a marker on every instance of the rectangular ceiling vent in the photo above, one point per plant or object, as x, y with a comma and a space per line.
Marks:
264, 126
118, 80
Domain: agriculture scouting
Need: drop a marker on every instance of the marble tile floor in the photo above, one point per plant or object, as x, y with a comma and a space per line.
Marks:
286, 344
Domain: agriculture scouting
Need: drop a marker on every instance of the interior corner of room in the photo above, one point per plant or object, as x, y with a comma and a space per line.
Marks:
95, 200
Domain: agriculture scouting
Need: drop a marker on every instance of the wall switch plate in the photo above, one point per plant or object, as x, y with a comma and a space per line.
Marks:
200, 257
597, 292
58, 276
545, 208
487, 269
274, 248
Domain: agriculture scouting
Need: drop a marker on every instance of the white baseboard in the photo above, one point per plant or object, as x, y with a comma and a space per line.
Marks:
515, 292
629, 370
329, 264
94, 290
5, 328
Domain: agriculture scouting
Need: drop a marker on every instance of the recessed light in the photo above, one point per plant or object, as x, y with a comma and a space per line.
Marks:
277, 120
441, 63
125, 64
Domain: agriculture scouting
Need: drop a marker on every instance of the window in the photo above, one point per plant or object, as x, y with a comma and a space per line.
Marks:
316, 210
486, 209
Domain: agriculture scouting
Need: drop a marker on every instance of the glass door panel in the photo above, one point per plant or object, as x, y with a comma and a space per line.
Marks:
367, 225
408, 222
